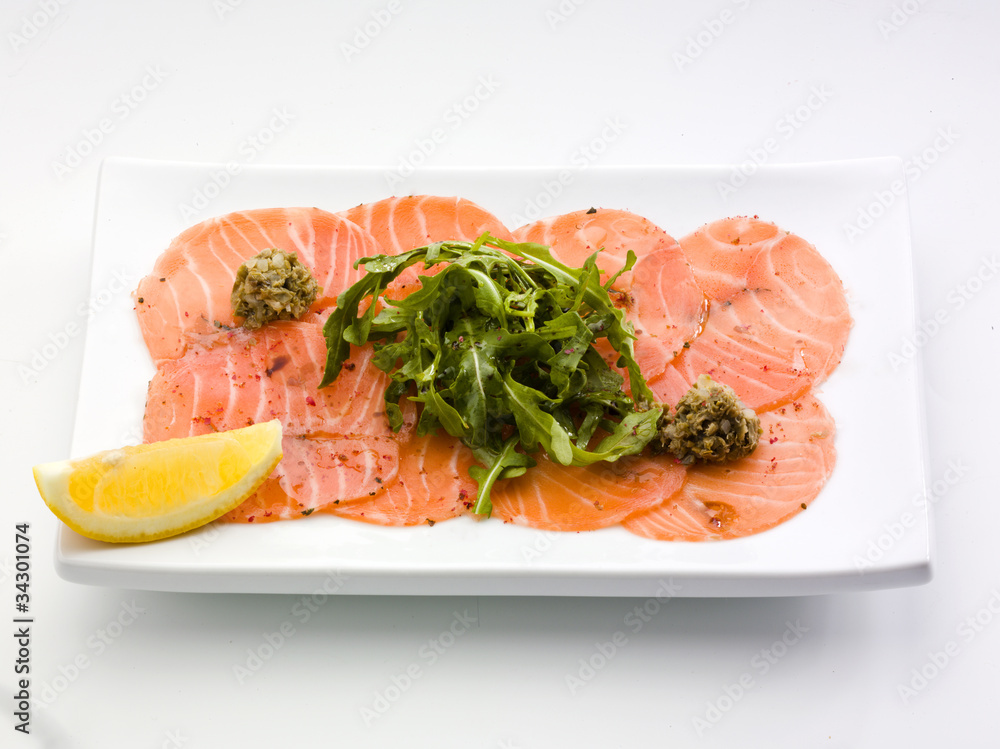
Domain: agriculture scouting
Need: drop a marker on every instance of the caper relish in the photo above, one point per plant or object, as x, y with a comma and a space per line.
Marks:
710, 424
272, 285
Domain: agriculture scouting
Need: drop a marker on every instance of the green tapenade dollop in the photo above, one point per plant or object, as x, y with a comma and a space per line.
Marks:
272, 285
709, 424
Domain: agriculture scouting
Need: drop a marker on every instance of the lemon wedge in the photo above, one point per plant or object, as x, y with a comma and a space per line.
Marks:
147, 492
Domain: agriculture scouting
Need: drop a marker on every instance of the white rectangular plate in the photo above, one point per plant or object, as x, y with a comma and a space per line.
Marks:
868, 529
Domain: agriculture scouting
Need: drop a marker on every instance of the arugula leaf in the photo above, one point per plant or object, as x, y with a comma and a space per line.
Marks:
498, 348
506, 464
534, 425
596, 296
576, 338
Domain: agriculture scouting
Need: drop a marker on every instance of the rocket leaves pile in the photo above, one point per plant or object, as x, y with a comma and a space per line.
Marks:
502, 349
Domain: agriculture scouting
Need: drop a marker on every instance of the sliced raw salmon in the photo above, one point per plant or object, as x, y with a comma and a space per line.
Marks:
660, 295
573, 237
432, 484
560, 498
267, 504
337, 442
669, 308
722, 252
744, 346
808, 297
316, 471
776, 326
779, 479
241, 377
189, 290
401, 224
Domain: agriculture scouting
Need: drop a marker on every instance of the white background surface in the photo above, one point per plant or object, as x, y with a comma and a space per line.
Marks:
121, 668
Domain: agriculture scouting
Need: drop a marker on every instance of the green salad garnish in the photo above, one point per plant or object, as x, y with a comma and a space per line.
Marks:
499, 351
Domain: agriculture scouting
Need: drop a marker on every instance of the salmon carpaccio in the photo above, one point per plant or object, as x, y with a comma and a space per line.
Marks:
188, 292
756, 307
778, 318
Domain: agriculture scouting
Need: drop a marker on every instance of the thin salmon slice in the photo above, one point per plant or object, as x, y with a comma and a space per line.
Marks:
270, 502
776, 326
188, 292
778, 480
808, 297
316, 471
560, 498
660, 295
432, 484
668, 308
402, 224
242, 377
721, 252
747, 346
611, 233
337, 442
